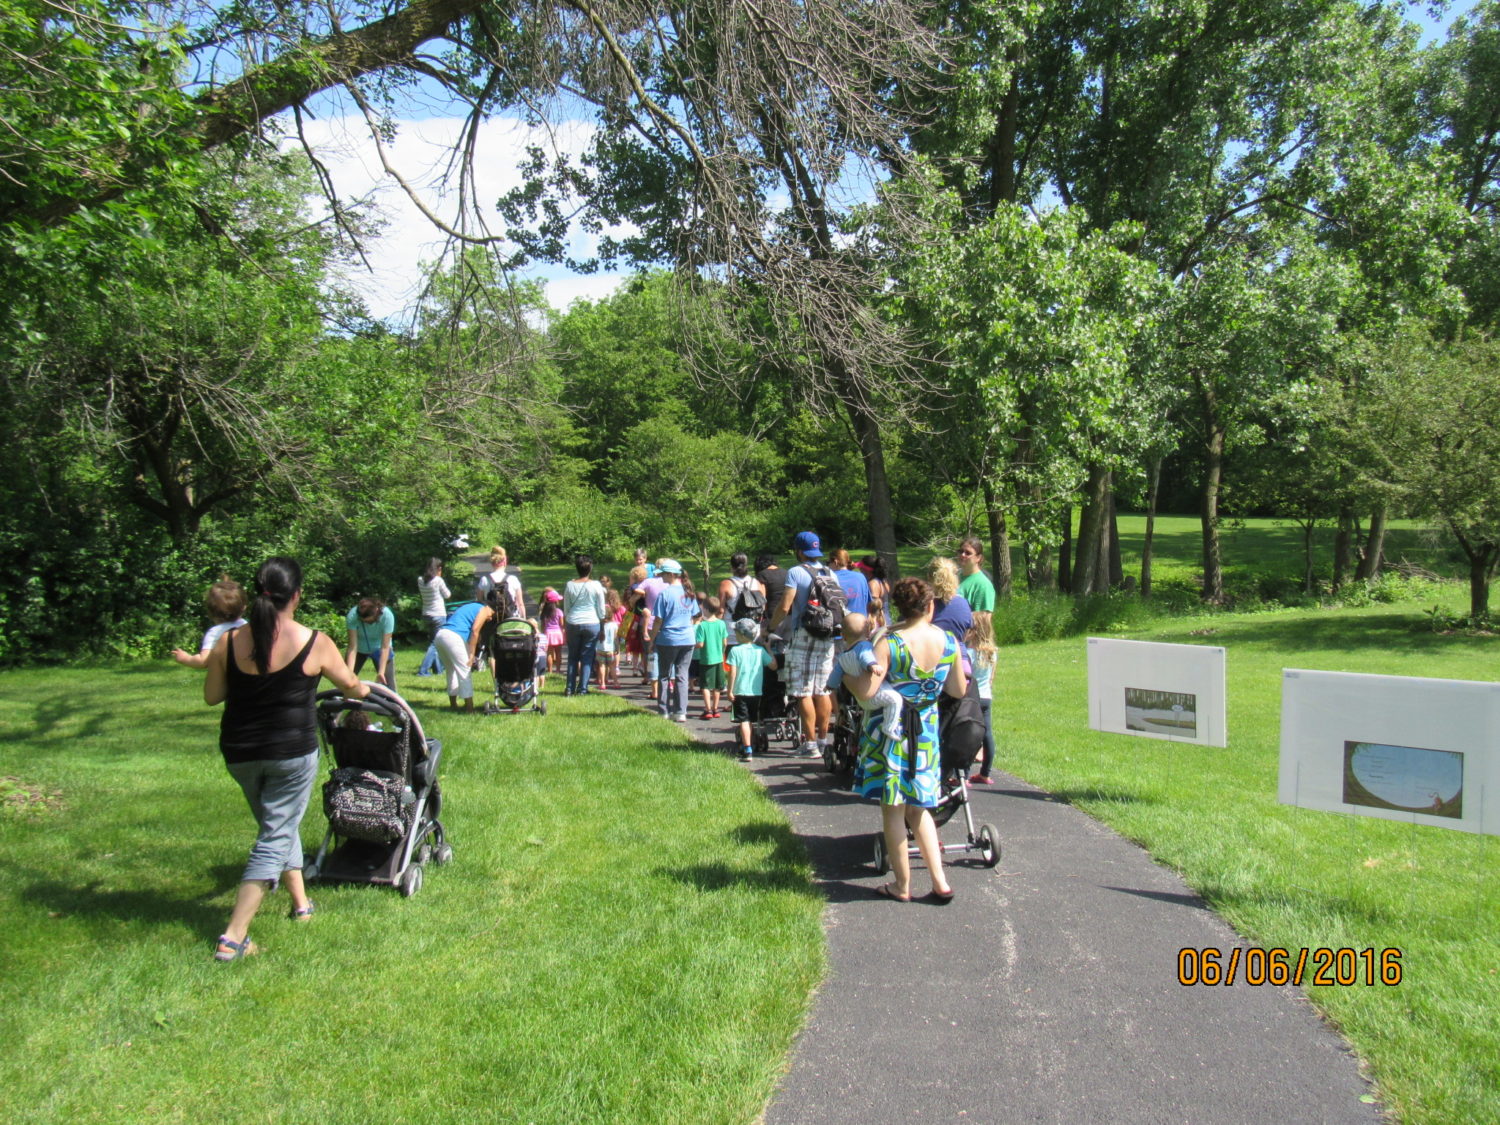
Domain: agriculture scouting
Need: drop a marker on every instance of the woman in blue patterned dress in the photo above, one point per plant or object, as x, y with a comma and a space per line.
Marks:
921, 662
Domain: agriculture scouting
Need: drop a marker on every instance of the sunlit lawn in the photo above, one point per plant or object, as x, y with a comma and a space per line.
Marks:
627, 931
1289, 877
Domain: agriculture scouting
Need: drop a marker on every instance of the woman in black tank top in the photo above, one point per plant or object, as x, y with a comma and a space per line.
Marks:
267, 677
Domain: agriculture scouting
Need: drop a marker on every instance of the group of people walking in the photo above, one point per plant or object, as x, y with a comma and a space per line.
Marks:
898, 646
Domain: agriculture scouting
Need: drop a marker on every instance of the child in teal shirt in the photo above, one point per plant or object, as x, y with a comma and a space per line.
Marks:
748, 662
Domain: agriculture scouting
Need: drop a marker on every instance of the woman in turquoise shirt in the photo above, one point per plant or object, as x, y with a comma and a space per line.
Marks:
371, 624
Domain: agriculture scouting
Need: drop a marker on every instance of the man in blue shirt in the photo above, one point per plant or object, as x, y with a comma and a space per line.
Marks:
808, 662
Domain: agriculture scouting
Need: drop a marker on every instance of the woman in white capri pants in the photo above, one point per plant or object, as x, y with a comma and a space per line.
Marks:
456, 643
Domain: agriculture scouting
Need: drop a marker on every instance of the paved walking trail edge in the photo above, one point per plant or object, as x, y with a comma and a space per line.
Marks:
1045, 992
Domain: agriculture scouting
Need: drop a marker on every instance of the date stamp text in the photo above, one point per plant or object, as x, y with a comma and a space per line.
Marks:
1255, 966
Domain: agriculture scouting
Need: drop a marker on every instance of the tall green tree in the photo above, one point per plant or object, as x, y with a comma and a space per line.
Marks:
1038, 319
176, 350
1428, 431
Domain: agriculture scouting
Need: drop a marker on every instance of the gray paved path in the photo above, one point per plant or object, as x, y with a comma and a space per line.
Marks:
1046, 992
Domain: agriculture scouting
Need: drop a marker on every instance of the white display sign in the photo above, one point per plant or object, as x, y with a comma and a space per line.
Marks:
1157, 690
1395, 747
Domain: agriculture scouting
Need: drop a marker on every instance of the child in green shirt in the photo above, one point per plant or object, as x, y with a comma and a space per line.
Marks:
710, 635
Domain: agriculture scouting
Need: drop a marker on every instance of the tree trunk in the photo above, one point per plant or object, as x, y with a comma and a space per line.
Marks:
1342, 540
1065, 552
1369, 566
877, 487
999, 541
1213, 472
1039, 575
1112, 541
1091, 571
1309, 575
1481, 565
1153, 485
1481, 558
1003, 139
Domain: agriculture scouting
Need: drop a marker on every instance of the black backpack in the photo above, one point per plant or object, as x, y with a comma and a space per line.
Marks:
961, 727
825, 604
749, 603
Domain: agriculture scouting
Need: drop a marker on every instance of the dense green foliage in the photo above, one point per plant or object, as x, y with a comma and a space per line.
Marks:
1117, 250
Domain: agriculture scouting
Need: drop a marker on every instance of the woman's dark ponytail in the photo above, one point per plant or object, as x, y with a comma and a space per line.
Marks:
276, 583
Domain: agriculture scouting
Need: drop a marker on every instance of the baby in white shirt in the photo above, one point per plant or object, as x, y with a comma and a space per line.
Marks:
859, 664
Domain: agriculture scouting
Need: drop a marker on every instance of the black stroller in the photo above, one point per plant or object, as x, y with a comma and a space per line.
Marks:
840, 755
778, 719
953, 795
511, 648
382, 799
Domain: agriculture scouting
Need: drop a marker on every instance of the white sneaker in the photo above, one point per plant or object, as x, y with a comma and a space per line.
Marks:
812, 750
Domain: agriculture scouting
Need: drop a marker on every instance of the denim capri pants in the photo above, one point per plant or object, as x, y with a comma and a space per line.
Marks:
278, 790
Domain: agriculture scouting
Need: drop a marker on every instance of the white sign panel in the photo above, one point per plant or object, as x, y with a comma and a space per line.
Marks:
1395, 747
1157, 690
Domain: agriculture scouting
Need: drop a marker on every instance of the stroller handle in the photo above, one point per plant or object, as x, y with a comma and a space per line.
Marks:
381, 699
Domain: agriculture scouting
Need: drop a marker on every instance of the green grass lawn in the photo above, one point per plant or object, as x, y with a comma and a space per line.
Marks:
627, 933
1289, 877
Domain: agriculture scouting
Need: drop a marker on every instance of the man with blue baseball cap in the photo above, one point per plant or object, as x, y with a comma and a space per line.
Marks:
809, 659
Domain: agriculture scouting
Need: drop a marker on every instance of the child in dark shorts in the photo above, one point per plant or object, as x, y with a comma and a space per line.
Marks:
710, 635
748, 662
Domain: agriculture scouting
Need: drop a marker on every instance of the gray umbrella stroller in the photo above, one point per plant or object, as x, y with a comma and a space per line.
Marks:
382, 799
511, 648
953, 795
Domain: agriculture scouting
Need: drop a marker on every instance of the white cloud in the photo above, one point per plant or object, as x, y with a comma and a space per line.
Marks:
563, 291
422, 151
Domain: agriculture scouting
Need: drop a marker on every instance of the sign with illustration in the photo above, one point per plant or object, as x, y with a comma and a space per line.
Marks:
1157, 690
1395, 747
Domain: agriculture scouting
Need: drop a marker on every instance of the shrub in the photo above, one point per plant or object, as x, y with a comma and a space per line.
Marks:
569, 522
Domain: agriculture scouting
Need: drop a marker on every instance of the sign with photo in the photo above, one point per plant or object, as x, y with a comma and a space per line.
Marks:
1157, 690
1395, 747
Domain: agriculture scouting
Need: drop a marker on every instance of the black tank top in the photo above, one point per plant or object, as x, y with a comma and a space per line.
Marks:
272, 716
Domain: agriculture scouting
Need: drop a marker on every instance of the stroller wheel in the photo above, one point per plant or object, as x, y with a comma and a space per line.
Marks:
442, 854
411, 881
989, 844
310, 873
541, 706
882, 862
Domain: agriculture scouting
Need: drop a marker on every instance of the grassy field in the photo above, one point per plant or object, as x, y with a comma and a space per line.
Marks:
627, 931
1289, 877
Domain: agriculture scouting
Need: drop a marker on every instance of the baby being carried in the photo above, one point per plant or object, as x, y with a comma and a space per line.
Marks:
859, 663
